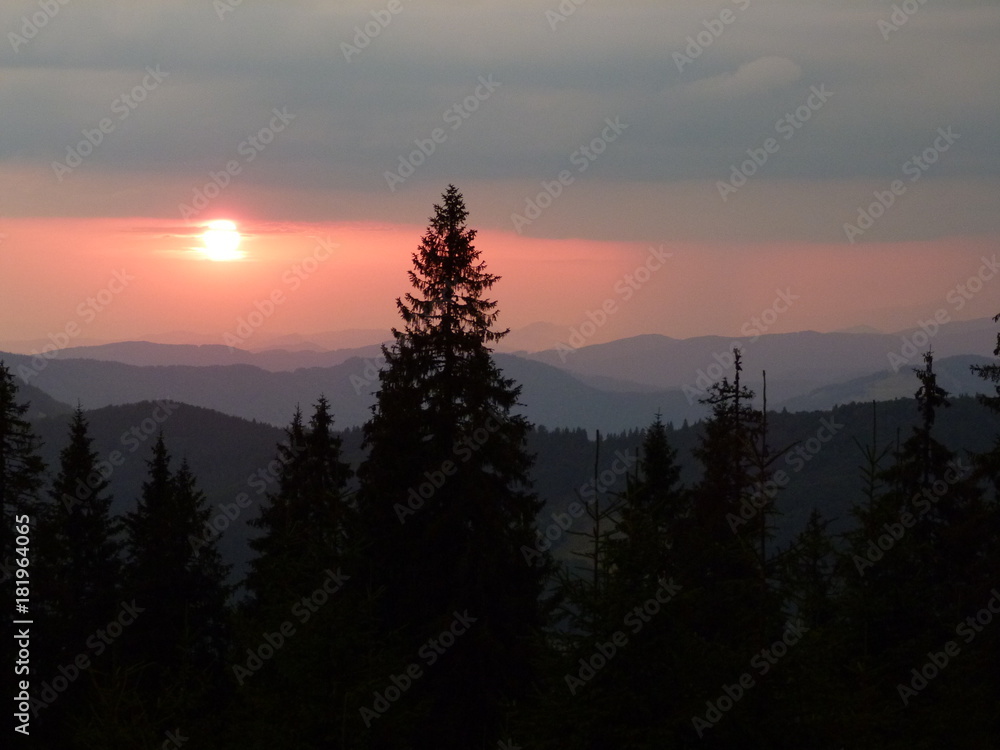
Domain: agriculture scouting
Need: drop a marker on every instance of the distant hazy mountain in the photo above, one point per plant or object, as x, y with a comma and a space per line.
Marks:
145, 353
550, 396
532, 338
796, 363
355, 338
40, 404
26, 346
860, 329
277, 353
953, 374
613, 386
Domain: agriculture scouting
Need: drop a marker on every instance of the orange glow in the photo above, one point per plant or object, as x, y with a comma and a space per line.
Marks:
222, 241
345, 276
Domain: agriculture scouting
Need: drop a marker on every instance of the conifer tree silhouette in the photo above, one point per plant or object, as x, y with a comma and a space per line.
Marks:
78, 571
179, 638
445, 494
21, 470
308, 544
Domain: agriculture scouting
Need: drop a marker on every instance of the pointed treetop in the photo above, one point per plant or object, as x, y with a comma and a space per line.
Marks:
449, 280
930, 396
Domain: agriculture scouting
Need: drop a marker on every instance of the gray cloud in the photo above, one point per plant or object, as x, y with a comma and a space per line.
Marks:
355, 119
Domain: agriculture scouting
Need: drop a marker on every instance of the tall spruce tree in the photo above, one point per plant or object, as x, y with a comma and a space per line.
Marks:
628, 702
78, 571
21, 467
179, 638
281, 523
915, 565
651, 510
445, 496
82, 560
729, 608
306, 553
987, 466
937, 486
988, 463
815, 688
21, 471
305, 525
991, 373
721, 544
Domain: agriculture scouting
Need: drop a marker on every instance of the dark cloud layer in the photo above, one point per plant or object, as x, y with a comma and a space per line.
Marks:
693, 110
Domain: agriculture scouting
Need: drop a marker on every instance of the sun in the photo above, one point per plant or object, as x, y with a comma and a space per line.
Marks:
222, 241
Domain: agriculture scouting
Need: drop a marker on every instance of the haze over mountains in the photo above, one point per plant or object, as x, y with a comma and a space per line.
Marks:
611, 386
534, 337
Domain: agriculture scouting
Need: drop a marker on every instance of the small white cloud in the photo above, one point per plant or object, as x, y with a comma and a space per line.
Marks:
762, 74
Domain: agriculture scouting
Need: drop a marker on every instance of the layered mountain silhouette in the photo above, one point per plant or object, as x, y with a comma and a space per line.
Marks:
612, 387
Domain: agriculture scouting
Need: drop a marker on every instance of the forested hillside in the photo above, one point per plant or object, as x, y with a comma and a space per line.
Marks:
231, 456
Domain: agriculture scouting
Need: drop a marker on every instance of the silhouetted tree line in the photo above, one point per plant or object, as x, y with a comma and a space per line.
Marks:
417, 605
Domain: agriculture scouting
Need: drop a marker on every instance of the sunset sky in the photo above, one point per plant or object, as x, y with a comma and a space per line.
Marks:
703, 157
